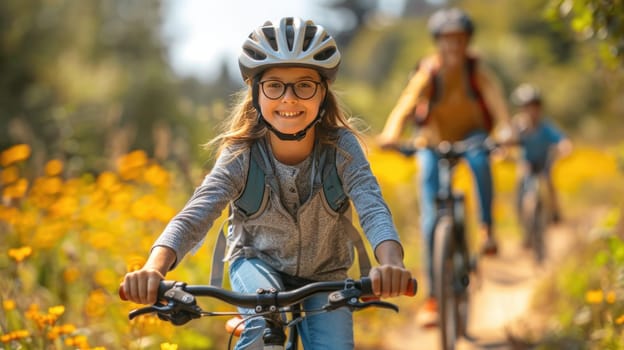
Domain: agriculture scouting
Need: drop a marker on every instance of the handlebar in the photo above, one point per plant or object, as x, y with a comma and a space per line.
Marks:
447, 149
177, 302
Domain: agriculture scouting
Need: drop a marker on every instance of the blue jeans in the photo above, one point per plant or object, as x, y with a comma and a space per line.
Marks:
328, 330
479, 163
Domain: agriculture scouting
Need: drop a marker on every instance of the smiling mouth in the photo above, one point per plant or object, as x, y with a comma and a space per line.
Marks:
290, 114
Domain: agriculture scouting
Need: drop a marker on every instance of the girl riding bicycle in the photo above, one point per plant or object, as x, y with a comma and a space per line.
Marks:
540, 140
289, 119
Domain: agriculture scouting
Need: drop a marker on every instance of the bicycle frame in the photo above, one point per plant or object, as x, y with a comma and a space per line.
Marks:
450, 253
534, 212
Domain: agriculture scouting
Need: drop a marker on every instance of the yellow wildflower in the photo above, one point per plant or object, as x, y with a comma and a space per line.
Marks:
168, 346
67, 328
14, 154
52, 185
71, 274
15, 335
53, 333
105, 277
156, 176
8, 304
19, 254
611, 297
131, 165
79, 341
96, 304
65, 206
594, 296
5, 338
56, 310
9, 214
135, 263
53, 167
619, 320
9, 175
16, 190
32, 312
107, 181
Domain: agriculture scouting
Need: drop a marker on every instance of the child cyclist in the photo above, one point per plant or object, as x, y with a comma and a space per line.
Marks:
289, 116
540, 140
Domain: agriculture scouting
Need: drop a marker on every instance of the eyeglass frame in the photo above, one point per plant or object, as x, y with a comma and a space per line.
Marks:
292, 88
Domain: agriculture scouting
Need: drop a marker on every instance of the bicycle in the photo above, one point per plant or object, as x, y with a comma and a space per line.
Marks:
534, 210
177, 304
452, 262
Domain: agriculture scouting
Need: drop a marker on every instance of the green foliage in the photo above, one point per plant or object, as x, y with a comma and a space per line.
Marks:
598, 21
584, 300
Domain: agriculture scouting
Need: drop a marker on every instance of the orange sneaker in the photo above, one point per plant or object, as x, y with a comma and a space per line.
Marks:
428, 314
489, 247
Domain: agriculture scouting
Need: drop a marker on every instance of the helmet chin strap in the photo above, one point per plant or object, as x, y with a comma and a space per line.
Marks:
298, 136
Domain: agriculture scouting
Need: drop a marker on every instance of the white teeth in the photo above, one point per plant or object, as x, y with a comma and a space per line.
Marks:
289, 114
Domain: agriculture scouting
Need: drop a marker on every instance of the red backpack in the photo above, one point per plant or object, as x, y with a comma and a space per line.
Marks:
423, 110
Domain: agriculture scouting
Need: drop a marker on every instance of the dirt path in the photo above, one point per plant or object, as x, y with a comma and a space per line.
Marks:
500, 298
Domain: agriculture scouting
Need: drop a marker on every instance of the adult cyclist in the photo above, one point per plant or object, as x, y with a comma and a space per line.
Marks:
451, 96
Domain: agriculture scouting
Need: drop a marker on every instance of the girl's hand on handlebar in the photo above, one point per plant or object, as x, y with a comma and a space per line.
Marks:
141, 286
390, 281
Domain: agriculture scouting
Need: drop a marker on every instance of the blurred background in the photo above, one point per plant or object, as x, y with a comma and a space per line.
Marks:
104, 106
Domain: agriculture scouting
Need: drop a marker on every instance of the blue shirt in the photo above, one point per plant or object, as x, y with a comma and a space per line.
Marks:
537, 142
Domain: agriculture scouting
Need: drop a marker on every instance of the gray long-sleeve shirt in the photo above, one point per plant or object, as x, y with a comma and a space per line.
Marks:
311, 244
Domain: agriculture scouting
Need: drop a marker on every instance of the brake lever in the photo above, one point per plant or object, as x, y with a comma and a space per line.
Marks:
181, 307
156, 308
350, 297
357, 305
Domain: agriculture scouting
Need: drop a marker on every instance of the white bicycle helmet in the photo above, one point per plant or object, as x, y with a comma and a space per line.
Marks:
291, 42
526, 94
451, 20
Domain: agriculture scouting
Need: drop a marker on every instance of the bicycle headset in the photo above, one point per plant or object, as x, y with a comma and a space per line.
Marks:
291, 42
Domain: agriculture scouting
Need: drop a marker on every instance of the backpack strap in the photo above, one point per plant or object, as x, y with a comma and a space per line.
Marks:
332, 186
250, 200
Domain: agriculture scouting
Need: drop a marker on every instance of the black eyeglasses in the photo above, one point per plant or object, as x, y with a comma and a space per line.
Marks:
303, 89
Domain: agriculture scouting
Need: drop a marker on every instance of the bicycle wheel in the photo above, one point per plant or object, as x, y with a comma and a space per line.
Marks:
533, 219
540, 219
528, 209
444, 273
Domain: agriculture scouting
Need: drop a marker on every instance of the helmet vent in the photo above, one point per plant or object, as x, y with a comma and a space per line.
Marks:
269, 33
310, 31
325, 54
290, 36
254, 54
